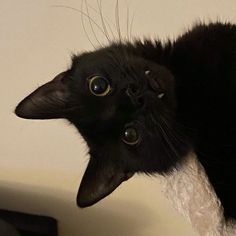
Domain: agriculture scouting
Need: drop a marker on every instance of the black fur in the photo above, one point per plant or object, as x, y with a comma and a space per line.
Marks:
196, 74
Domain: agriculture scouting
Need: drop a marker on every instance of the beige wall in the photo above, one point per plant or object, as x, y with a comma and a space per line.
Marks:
42, 161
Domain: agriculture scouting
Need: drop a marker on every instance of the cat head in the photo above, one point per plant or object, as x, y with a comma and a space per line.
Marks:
124, 107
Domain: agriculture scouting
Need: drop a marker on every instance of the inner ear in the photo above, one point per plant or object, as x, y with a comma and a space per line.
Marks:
47, 102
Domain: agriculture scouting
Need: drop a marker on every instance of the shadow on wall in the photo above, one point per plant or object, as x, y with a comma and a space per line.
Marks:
107, 218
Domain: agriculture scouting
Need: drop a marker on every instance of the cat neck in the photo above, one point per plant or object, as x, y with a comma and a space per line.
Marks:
191, 193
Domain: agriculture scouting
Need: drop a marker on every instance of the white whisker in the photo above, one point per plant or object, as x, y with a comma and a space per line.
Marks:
90, 23
117, 18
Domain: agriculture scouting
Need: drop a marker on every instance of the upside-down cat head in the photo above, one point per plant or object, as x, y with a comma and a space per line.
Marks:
123, 104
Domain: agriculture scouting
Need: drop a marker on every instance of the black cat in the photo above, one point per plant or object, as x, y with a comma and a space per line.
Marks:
143, 106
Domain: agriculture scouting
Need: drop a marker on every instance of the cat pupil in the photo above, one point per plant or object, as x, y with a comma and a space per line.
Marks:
130, 136
99, 86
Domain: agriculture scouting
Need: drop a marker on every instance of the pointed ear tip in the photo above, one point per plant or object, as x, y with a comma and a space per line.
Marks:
20, 112
82, 203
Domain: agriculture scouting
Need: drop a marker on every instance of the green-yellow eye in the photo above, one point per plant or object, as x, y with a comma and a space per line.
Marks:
130, 136
99, 86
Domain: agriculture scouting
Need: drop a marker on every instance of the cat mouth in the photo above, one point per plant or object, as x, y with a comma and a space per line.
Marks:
97, 183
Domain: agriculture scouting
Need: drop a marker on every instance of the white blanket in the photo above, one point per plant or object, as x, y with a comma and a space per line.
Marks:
191, 193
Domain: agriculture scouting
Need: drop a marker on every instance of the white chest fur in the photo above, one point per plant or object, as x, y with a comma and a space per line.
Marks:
190, 192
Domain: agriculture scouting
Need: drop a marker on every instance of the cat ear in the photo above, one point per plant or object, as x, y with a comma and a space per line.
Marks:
47, 102
99, 180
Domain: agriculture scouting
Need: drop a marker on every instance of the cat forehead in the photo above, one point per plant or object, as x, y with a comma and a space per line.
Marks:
109, 60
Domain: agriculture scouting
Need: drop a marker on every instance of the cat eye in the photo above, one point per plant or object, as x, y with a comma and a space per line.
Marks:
130, 136
99, 86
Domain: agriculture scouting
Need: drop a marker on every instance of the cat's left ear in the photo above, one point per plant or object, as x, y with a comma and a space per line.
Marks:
47, 102
100, 179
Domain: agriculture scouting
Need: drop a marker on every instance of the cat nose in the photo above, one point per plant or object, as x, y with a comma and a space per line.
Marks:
132, 90
135, 98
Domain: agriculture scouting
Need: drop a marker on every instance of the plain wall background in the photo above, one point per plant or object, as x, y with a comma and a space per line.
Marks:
42, 162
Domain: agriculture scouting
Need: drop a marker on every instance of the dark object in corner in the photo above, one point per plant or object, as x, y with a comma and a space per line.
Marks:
30, 225
7, 229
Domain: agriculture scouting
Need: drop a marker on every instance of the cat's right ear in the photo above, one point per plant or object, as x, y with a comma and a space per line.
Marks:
47, 102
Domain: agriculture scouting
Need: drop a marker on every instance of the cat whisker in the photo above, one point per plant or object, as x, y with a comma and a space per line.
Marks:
179, 140
166, 135
178, 137
83, 25
102, 20
131, 27
83, 14
127, 23
90, 22
117, 19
